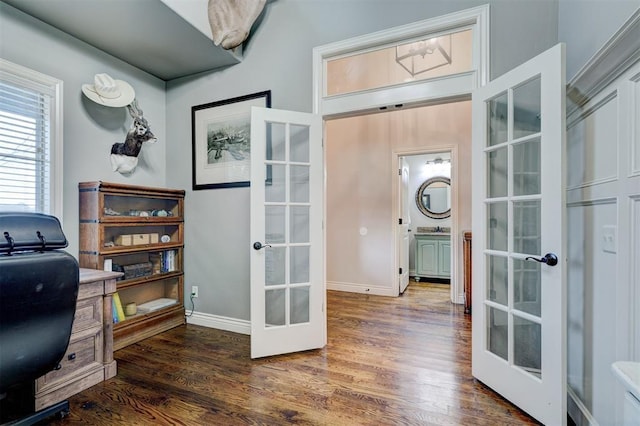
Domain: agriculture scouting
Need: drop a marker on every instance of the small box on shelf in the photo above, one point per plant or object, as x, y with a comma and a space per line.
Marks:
140, 239
123, 240
136, 239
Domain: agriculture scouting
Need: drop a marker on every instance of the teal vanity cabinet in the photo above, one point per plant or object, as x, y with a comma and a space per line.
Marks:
433, 256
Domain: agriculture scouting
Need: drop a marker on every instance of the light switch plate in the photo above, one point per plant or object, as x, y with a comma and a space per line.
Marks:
609, 238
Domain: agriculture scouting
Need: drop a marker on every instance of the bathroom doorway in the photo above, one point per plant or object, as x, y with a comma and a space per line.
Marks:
427, 195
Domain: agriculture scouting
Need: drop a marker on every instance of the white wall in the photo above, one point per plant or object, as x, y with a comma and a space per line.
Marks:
603, 287
89, 129
603, 194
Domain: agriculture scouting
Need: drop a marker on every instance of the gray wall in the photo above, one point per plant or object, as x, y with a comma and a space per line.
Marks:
585, 25
89, 129
278, 58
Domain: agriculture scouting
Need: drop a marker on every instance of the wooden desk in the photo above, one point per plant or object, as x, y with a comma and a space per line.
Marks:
89, 357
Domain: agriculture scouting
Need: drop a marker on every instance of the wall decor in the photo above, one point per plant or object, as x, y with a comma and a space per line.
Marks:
124, 155
221, 141
433, 197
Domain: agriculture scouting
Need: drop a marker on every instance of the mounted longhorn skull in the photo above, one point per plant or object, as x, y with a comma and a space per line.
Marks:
231, 20
124, 155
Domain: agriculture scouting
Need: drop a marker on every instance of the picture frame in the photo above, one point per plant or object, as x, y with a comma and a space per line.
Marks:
221, 141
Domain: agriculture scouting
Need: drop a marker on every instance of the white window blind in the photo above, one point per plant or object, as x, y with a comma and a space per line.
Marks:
28, 178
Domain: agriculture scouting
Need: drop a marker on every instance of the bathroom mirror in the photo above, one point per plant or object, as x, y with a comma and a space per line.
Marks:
433, 197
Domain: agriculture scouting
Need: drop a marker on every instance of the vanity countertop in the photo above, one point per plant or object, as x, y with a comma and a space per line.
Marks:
443, 234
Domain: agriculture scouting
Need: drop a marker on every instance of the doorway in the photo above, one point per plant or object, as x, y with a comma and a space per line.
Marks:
361, 162
381, 118
426, 209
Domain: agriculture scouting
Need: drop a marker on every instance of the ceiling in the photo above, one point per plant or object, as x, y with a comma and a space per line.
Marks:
144, 33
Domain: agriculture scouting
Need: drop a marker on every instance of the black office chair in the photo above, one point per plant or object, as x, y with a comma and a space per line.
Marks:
38, 293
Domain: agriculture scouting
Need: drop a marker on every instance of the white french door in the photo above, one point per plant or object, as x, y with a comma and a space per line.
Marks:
519, 285
404, 222
287, 250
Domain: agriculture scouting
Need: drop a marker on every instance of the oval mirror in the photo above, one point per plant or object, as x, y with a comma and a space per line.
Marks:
433, 197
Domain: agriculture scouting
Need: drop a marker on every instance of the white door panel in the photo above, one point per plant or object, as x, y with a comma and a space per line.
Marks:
287, 276
519, 304
403, 226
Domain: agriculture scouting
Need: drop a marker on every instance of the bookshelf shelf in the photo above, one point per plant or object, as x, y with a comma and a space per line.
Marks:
138, 231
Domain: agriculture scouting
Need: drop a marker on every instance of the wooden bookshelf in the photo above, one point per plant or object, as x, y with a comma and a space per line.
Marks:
138, 231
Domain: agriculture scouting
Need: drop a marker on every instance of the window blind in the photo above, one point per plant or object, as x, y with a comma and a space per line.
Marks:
25, 145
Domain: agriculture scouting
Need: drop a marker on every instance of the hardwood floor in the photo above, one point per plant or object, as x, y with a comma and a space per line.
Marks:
389, 361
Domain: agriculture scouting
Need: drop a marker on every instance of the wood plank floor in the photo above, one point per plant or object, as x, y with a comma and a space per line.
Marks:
389, 361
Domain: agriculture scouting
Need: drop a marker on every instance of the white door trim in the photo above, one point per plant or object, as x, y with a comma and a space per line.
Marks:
476, 18
457, 289
434, 91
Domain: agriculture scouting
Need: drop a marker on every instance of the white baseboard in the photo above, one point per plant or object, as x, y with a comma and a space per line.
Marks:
221, 323
359, 288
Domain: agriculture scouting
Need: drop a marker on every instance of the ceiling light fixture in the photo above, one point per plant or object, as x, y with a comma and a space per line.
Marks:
424, 55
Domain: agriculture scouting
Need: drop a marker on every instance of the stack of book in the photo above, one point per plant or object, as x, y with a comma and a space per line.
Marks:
116, 309
135, 270
168, 261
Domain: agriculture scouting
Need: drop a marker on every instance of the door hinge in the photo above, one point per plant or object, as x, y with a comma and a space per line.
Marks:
400, 221
400, 271
399, 172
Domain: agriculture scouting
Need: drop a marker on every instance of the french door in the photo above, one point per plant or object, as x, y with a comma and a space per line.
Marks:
287, 250
519, 285
404, 222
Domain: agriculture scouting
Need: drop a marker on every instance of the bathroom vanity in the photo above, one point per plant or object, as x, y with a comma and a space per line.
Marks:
433, 255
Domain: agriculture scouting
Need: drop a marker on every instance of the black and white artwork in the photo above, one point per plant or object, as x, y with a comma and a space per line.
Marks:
229, 141
221, 141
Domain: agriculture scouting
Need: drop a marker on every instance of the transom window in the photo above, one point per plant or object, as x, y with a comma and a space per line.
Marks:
426, 57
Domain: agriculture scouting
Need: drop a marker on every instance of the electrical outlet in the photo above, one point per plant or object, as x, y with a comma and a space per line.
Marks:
194, 291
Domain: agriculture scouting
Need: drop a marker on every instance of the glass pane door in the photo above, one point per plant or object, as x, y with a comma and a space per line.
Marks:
512, 307
287, 275
286, 218
518, 345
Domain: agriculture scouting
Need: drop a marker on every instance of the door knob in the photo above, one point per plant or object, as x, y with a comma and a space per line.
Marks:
549, 258
258, 245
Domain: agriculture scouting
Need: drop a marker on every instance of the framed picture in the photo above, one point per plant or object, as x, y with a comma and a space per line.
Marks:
221, 141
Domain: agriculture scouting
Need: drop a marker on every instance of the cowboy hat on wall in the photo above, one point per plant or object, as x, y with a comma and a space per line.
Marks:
117, 93
109, 92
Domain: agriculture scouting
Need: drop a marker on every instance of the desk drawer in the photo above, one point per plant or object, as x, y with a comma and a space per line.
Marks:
88, 314
93, 289
83, 355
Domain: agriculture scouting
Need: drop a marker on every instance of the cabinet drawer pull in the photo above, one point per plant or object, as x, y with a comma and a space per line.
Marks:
58, 367
71, 357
